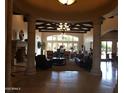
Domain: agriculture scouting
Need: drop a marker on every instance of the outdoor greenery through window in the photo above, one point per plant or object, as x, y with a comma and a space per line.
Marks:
68, 41
106, 48
62, 38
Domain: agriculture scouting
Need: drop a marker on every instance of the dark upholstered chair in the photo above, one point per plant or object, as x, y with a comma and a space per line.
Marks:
49, 54
42, 63
86, 63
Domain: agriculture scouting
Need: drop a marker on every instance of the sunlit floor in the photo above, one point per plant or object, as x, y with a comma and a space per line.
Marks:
80, 81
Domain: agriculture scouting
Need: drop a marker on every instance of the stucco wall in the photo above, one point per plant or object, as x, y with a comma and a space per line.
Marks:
109, 24
19, 24
110, 36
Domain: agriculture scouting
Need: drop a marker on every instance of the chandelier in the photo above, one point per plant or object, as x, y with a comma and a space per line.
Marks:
63, 27
66, 2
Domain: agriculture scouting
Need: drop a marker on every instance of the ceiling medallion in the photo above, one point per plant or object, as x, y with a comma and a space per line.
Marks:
66, 2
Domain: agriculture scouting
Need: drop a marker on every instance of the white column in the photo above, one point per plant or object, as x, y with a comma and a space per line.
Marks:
8, 55
96, 48
30, 70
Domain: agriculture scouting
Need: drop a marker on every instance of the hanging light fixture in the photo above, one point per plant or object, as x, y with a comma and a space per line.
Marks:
66, 2
63, 27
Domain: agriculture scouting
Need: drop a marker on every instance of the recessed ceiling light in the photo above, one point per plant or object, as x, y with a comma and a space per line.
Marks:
77, 25
76, 28
40, 27
50, 27
85, 28
39, 23
48, 24
87, 24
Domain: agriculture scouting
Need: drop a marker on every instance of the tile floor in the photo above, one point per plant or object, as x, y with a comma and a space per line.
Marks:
73, 81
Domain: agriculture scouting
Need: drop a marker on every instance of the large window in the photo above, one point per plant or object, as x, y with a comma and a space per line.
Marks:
106, 48
68, 41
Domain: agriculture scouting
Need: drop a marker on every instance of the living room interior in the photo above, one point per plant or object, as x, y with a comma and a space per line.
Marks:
51, 46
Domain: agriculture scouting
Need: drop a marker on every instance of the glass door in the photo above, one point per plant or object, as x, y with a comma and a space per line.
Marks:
106, 49
109, 49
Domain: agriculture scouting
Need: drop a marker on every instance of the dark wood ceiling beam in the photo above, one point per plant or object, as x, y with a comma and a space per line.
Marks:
62, 32
52, 26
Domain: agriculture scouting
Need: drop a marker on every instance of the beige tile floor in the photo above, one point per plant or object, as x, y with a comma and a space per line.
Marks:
66, 81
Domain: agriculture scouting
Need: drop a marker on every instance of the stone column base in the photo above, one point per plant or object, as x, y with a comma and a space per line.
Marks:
96, 72
115, 89
30, 71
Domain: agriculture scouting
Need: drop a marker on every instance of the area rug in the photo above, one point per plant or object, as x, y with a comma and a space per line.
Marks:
70, 66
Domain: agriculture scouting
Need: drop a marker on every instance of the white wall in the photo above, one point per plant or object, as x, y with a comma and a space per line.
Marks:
37, 39
88, 40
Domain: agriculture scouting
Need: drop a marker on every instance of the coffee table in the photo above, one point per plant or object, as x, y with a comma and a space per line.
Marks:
59, 61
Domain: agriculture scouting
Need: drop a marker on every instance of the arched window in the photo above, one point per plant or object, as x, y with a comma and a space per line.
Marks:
68, 41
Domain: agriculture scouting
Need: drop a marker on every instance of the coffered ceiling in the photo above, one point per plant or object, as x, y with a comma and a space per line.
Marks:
48, 26
50, 13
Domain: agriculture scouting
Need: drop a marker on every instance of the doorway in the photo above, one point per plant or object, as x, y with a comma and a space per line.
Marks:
106, 50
